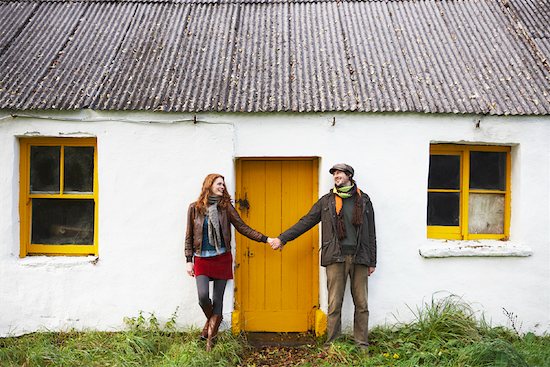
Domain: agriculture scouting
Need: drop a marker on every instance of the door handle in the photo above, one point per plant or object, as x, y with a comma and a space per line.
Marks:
243, 203
249, 253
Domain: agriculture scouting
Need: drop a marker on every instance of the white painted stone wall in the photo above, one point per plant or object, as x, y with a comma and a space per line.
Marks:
151, 167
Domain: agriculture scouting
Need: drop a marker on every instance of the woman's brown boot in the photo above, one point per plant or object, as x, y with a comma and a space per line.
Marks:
208, 310
213, 327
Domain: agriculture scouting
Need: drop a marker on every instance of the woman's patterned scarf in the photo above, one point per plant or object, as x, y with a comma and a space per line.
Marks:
214, 233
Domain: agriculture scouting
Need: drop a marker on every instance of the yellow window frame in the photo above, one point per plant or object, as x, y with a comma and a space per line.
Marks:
460, 232
25, 197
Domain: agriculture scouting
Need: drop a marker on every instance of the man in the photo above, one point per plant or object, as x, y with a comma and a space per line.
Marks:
348, 248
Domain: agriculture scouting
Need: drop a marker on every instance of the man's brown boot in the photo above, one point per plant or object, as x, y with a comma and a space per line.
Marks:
213, 327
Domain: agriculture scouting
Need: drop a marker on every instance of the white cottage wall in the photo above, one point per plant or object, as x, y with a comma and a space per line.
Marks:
151, 167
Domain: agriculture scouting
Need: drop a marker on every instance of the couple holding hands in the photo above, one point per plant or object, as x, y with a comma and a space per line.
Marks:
348, 250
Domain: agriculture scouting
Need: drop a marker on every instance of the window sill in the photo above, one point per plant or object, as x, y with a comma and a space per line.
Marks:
475, 248
57, 261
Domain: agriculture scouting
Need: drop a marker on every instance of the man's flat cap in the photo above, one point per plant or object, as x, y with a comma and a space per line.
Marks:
342, 167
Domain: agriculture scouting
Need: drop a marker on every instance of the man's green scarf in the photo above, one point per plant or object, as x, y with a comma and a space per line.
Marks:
343, 192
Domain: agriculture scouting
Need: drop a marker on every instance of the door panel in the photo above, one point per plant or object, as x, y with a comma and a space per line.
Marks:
276, 290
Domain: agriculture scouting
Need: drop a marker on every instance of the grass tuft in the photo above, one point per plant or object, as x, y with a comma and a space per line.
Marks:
497, 353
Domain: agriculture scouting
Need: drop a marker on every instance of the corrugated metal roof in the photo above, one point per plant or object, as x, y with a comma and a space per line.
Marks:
433, 56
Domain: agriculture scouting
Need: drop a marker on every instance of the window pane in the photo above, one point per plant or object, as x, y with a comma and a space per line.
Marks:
45, 169
61, 222
444, 172
79, 169
488, 170
486, 214
443, 209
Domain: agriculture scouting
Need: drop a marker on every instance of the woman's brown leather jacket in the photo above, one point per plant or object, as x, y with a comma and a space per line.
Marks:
227, 216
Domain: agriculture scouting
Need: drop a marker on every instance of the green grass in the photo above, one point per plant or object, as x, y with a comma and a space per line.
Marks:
446, 332
146, 343
117, 349
443, 333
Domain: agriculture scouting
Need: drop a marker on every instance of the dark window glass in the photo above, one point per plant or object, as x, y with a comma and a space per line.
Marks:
488, 170
443, 208
444, 172
45, 169
62, 222
79, 169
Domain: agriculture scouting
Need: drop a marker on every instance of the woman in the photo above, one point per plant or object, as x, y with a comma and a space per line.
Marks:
208, 248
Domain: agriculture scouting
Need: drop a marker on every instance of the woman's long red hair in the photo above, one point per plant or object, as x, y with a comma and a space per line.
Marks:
202, 201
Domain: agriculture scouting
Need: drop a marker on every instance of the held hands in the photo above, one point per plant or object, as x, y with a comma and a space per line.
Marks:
275, 243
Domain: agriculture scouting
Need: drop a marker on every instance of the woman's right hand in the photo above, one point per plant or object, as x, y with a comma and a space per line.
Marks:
191, 269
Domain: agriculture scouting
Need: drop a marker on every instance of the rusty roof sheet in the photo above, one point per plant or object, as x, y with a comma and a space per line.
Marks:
433, 56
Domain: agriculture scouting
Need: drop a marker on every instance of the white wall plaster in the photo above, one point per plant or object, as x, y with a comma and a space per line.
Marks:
151, 167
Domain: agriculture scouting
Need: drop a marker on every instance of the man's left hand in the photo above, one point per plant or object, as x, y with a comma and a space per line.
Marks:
371, 270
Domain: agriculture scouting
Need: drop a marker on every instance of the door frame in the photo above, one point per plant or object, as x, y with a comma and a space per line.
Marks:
317, 318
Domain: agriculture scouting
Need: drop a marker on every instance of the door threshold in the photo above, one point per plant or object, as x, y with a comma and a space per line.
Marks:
268, 339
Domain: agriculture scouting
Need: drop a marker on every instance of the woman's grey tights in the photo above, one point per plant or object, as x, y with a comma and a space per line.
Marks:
203, 290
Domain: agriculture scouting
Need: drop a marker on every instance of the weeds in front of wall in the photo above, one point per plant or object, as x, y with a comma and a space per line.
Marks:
151, 324
443, 333
147, 342
446, 332
513, 319
146, 336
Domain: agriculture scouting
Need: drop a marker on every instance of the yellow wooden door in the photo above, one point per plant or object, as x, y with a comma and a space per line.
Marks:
276, 290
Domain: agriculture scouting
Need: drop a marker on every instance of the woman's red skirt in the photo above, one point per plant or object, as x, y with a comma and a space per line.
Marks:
215, 267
